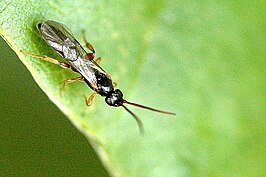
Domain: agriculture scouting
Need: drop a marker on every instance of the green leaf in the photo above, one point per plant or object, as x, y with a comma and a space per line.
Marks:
203, 60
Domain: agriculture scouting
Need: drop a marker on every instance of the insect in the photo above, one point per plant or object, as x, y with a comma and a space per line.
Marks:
59, 37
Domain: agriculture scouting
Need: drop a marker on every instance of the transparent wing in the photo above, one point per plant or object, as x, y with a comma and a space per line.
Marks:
55, 34
59, 37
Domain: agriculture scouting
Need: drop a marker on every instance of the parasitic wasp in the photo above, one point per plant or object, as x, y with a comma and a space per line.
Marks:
59, 37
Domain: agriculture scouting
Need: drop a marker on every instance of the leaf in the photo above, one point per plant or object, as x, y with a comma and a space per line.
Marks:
203, 60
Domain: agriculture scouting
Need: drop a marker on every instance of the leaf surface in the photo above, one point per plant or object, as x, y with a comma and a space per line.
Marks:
204, 61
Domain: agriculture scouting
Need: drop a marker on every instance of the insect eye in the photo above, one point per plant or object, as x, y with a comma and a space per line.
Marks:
115, 98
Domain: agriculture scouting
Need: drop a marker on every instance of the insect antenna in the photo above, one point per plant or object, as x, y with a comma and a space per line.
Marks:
149, 108
140, 124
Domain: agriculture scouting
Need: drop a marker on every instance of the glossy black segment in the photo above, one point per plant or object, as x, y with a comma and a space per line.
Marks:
114, 98
59, 37
104, 84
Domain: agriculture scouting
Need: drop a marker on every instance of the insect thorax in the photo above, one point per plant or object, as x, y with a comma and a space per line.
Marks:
104, 84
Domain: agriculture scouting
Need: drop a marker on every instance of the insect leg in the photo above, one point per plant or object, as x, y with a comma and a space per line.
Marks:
49, 59
98, 60
89, 46
90, 99
70, 80
114, 84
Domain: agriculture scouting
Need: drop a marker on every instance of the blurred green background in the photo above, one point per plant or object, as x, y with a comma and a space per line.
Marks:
215, 52
36, 139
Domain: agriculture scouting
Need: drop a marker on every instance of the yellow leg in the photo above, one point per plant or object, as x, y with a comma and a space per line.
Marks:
89, 46
48, 59
90, 99
70, 80
98, 60
114, 84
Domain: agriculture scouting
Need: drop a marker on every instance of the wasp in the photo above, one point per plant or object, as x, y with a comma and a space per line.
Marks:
59, 37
